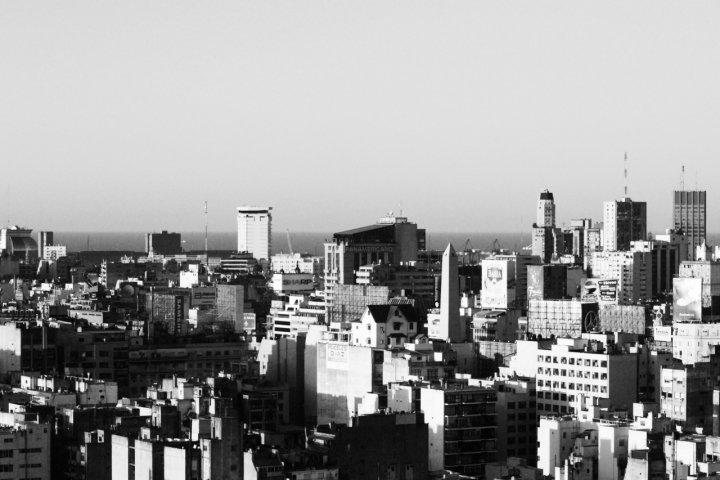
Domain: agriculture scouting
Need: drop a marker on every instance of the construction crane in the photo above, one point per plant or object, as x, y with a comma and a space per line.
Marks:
496, 248
289, 242
467, 250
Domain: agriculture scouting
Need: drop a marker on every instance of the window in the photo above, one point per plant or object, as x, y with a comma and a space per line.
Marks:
6, 453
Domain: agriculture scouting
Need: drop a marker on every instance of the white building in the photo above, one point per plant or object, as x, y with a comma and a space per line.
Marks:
255, 231
291, 262
575, 367
385, 326
624, 221
694, 342
53, 252
632, 270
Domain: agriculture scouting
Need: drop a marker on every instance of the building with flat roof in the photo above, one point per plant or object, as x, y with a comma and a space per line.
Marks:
392, 240
255, 231
18, 242
624, 221
690, 215
163, 243
462, 420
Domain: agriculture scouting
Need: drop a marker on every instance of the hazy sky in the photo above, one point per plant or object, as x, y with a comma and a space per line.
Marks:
129, 115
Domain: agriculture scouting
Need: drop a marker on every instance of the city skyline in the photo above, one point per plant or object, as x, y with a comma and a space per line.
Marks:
479, 107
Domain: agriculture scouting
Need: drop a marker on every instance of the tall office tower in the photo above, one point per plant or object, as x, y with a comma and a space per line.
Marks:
546, 210
625, 221
44, 239
689, 213
255, 231
163, 243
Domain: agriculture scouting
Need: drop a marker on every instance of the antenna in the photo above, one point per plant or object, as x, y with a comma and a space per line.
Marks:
206, 225
401, 210
682, 179
626, 174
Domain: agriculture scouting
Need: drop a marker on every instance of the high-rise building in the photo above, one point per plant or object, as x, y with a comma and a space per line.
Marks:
392, 240
690, 215
44, 239
255, 231
625, 221
163, 243
546, 239
546, 210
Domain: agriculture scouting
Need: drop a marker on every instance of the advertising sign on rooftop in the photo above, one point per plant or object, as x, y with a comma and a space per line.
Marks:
687, 299
498, 283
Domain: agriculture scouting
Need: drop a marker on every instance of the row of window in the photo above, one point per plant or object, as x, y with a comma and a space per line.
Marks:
572, 386
571, 373
571, 361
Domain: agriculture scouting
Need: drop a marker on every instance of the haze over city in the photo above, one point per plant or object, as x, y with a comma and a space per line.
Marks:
130, 115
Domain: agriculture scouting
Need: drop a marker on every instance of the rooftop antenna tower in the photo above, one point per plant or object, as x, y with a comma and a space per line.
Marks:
206, 246
682, 179
626, 174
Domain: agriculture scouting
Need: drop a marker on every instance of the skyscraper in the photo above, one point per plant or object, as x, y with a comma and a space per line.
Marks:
255, 231
689, 214
44, 239
546, 210
545, 237
625, 221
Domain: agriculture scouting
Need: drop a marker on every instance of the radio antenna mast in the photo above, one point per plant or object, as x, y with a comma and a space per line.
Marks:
626, 174
206, 245
682, 179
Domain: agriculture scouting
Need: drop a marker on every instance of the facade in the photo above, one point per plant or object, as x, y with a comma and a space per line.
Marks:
392, 240
163, 243
385, 326
588, 368
667, 252
522, 277
348, 302
694, 342
53, 252
297, 263
462, 420
18, 242
709, 272
546, 282
624, 222
345, 373
687, 394
561, 318
516, 416
414, 281
689, 214
255, 231
633, 270
546, 210
44, 239
24, 448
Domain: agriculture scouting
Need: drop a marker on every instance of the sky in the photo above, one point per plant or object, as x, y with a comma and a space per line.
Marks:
128, 116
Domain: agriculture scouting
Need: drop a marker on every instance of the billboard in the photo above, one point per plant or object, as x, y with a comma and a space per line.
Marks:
605, 292
203, 296
535, 282
662, 334
687, 299
292, 282
179, 312
249, 322
498, 283
337, 356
